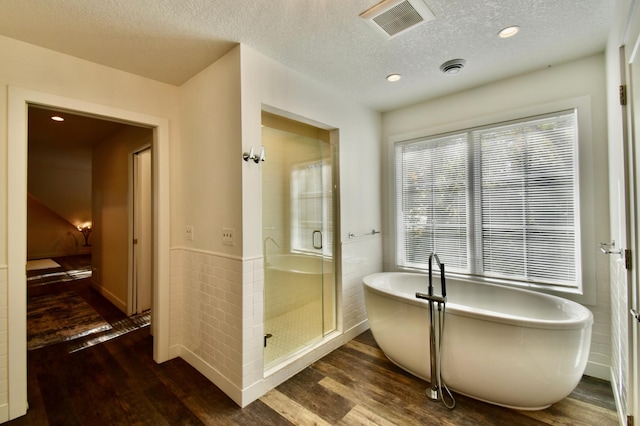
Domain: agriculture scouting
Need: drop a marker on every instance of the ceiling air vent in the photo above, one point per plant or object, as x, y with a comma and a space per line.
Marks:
453, 66
392, 17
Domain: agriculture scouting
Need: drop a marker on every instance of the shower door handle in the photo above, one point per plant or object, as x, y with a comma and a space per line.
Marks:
317, 239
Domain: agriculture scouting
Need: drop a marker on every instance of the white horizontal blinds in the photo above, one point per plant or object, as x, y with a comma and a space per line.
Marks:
527, 174
431, 205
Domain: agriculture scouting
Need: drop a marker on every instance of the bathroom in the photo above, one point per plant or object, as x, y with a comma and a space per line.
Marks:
362, 189
216, 309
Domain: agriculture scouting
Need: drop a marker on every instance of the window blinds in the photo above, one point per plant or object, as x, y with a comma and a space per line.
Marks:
499, 201
432, 201
526, 176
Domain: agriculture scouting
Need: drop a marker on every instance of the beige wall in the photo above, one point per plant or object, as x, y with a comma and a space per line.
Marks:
51, 235
584, 77
222, 286
44, 71
31, 67
59, 180
268, 85
110, 238
208, 165
60, 177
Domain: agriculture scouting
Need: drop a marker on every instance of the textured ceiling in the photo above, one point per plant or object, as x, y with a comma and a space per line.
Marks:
172, 40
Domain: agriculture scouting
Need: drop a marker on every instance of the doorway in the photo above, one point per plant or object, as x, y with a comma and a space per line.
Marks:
18, 101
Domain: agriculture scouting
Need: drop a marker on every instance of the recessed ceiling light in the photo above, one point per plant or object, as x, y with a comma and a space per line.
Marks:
509, 31
57, 118
393, 77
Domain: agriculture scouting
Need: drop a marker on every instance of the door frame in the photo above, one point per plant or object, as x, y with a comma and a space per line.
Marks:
18, 101
132, 302
632, 161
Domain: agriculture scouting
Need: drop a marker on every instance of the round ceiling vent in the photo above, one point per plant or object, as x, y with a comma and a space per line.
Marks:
453, 66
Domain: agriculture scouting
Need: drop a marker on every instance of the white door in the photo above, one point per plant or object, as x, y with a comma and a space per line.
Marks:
142, 231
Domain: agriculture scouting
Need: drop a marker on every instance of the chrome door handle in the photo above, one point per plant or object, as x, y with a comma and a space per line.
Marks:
317, 242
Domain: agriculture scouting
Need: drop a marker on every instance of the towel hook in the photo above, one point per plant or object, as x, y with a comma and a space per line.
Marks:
246, 156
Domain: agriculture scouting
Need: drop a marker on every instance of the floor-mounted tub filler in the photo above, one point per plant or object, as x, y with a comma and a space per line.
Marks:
506, 346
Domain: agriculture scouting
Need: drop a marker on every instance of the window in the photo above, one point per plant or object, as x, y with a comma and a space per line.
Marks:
311, 208
497, 201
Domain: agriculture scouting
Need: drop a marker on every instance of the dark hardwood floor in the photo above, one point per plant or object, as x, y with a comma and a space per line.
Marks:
118, 383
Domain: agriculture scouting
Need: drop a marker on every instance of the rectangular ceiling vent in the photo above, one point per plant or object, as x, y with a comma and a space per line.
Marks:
392, 17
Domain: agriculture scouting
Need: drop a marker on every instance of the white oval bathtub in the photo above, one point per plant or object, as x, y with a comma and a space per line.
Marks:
505, 346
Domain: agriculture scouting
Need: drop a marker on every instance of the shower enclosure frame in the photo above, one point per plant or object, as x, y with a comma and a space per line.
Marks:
333, 144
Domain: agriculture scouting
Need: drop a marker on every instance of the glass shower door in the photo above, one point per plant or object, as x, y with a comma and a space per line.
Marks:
299, 290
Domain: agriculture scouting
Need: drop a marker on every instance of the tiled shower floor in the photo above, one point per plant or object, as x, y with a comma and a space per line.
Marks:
291, 332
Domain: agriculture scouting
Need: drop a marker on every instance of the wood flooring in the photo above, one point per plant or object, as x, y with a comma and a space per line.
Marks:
118, 383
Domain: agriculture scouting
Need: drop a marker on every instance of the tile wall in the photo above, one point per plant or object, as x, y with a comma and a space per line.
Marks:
619, 328
600, 351
217, 314
210, 310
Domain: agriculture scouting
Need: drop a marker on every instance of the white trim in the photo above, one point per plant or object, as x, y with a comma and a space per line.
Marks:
131, 290
4, 413
217, 254
622, 416
585, 153
119, 303
278, 376
599, 371
18, 101
217, 378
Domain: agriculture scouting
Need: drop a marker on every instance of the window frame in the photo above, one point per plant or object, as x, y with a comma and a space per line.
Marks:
585, 292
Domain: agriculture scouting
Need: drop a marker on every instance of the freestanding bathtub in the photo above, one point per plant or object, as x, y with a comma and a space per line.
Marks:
515, 348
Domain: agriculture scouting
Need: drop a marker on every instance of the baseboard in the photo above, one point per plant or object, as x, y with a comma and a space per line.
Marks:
244, 397
175, 351
4, 413
110, 296
599, 371
622, 417
279, 376
212, 374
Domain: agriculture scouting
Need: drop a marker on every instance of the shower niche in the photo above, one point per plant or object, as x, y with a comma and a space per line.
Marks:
298, 225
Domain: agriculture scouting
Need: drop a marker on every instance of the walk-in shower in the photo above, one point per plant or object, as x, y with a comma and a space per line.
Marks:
298, 243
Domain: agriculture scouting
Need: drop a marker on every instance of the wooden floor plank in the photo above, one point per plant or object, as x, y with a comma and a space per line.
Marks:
117, 382
291, 410
570, 411
360, 416
304, 389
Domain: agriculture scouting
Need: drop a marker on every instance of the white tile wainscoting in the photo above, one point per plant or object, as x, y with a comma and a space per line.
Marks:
217, 316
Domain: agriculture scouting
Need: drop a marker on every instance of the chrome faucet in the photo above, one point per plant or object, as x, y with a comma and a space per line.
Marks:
443, 286
435, 333
264, 245
264, 248
272, 240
